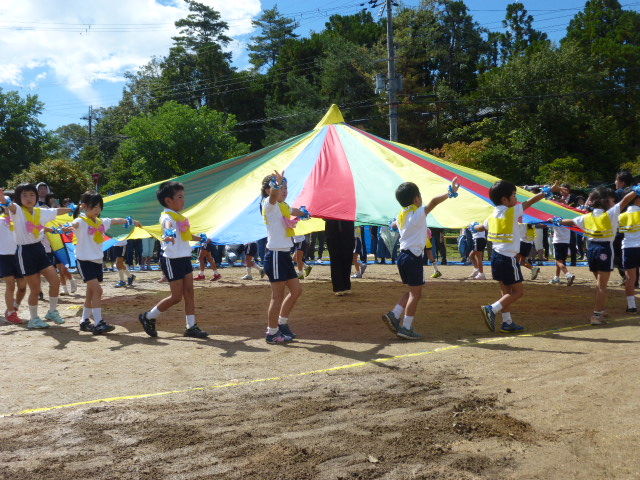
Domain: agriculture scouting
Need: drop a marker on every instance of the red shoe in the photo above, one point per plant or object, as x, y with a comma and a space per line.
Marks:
13, 318
200, 277
215, 277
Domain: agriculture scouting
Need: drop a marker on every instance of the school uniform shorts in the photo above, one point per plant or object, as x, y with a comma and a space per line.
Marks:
89, 270
525, 249
630, 258
32, 258
9, 266
411, 269
561, 251
505, 269
176, 268
479, 244
251, 249
600, 257
278, 266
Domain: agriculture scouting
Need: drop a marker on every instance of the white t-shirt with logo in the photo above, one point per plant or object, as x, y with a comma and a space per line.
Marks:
277, 238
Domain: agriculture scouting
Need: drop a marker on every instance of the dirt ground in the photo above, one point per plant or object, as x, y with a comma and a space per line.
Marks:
347, 400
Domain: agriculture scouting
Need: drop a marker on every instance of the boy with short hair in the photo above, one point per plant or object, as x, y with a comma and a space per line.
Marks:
561, 241
504, 232
412, 224
175, 261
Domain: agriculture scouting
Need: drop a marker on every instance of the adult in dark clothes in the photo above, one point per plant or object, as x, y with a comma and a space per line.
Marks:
340, 243
571, 200
373, 231
437, 238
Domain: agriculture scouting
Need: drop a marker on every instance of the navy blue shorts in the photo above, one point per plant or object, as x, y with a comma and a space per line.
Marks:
411, 269
358, 247
9, 266
600, 257
119, 251
630, 258
479, 244
251, 249
278, 266
299, 246
32, 259
561, 251
505, 269
211, 248
176, 268
525, 249
89, 270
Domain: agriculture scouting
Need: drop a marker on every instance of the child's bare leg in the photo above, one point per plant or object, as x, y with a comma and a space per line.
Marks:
414, 295
94, 294
51, 276
630, 282
176, 288
295, 290
356, 262
188, 295
510, 294
21, 290
9, 287
275, 304
601, 291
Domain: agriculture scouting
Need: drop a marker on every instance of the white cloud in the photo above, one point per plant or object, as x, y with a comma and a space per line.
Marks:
78, 42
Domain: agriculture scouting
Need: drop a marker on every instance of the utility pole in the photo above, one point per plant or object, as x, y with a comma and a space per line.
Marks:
89, 118
393, 83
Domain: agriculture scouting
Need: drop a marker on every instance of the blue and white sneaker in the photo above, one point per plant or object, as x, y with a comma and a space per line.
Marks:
391, 321
277, 338
408, 334
489, 317
131, 279
534, 272
54, 316
37, 322
120, 284
286, 330
511, 327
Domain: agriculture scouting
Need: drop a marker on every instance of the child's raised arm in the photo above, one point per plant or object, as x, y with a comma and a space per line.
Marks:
629, 197
435, 201
6, 202
276, 183
544, 194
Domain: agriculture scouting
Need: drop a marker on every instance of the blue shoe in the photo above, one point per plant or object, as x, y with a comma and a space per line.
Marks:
511, 327
534, 272
195, 332
391, 321
37, 323
131, 279
149, 324
408, 334
86, 325
286, 331
121, 284
277, 338
103, 327
489, 317
55, 317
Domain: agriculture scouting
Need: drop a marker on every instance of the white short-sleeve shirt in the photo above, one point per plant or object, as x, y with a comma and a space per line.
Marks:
179, 248
277, 238
7, 239
631, 239
413, 234
614, 215
22, 235
561, 235
87, 249
510, 249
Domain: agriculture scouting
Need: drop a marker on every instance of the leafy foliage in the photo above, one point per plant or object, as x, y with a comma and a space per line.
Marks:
65, 178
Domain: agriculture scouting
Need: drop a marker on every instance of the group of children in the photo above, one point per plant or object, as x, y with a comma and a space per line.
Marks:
23, 259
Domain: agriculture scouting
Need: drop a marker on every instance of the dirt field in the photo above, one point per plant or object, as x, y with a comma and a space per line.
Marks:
347, 400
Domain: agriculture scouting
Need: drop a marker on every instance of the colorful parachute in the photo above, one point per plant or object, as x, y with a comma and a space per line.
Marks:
336, 171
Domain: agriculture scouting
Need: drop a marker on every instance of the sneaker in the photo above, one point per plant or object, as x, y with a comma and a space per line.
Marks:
13, 317
120, 284
307, 270
247, 277
37, 323
598, 320
363, 268
131, 279
570, 278
436, 274
554, 281
55, 317
261, 271
408, 334
628, 310
86, 325
356, 275
64, 291
489, 317
103, 327
277, 338
74, 286
149, 324
286, 330
301, 275
195, 332
481, 276
534, 272
341, 293
474, 274
511, 327
201, 276
216, 276
391, 321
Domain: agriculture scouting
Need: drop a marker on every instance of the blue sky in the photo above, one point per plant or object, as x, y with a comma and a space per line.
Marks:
75, 55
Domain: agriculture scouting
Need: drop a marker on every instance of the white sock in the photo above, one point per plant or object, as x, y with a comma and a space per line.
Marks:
65, 290
73, 283
408, 321
53, 303
283, 320
249, 271
496, 307
191, 321
16, 305
435, 267
631, 301
86, 313
122, 274
397, 310
33, 311
271, 331
506, 318
97, 315
154, 313
475, 271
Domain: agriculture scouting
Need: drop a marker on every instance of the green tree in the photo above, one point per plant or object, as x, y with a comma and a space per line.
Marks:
174, 140
566, 170
71, 139
520, 33
275, 30
22, 137
66, 178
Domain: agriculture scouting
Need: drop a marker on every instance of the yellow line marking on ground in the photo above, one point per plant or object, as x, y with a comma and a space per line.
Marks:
302, 374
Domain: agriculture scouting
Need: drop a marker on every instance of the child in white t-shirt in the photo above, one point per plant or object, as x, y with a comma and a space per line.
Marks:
561, 241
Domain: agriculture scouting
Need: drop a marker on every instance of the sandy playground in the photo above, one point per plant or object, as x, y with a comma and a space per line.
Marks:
347, 400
